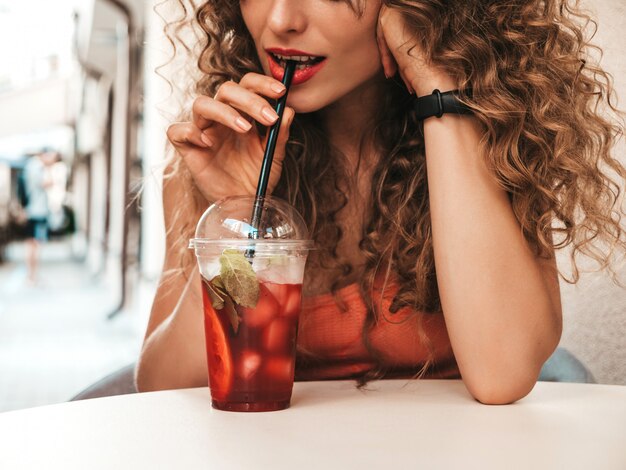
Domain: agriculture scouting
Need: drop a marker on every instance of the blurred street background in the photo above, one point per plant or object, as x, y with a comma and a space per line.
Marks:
79, 107
82, 118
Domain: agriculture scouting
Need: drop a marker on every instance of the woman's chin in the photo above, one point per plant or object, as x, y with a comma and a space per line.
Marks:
306, 105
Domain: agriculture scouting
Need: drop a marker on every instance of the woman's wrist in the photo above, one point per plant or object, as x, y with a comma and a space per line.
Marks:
427, 81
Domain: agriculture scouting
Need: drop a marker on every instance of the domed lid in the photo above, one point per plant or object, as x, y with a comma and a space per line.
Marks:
228, 221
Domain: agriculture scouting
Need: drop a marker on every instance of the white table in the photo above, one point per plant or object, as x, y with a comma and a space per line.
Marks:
428, 424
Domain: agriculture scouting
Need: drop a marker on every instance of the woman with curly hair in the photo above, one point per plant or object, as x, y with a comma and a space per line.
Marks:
437, 231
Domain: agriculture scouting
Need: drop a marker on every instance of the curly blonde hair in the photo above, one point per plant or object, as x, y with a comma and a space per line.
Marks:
540, 97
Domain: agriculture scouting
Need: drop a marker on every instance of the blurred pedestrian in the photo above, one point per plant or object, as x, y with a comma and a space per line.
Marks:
57, 193
37, 179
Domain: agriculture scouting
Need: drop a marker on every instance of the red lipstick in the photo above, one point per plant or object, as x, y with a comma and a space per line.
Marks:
302, 74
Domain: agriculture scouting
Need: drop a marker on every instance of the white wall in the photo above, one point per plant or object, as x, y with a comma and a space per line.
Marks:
594, 310
40, 106
153, 146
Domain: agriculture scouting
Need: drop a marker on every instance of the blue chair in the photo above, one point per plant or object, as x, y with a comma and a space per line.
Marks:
563, 366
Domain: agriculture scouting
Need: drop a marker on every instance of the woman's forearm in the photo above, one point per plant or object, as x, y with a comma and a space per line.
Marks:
501, 304
173, 354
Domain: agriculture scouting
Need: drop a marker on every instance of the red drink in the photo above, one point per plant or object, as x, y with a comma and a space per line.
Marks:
251, 351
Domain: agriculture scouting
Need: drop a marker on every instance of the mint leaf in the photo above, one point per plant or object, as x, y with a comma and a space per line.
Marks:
231, 313
217, 298
238, 278
218, 286
220, 300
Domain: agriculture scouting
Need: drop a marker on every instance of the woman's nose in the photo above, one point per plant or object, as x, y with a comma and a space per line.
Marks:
287, 16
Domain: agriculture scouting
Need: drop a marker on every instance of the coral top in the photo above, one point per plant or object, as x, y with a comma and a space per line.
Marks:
334, 338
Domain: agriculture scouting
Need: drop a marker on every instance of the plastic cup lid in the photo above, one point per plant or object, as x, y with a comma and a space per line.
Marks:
227, 223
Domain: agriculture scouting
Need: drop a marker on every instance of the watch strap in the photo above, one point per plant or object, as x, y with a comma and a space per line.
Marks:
437, 104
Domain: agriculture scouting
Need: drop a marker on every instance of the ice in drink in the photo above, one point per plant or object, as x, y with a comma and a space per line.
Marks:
251, 351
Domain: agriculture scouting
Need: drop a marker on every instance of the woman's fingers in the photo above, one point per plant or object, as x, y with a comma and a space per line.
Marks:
262, 84
390, 66
183, 134
207, 111
247, 96
248, 101
234, 102
220, 142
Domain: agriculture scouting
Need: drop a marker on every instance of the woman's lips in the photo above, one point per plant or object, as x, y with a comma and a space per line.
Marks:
300, 76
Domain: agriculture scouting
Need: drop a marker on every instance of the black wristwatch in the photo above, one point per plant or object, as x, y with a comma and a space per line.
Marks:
439, 103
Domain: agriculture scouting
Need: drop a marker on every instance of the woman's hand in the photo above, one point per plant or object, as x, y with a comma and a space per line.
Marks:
400, 51
221, 148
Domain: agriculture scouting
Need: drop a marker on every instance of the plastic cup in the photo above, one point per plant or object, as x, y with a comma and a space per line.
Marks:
251, 303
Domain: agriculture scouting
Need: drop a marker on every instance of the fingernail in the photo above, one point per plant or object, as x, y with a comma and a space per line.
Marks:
243, 124
277, 87
269, 114
208, 142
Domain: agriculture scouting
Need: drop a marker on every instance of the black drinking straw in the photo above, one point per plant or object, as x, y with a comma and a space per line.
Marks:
268, 157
